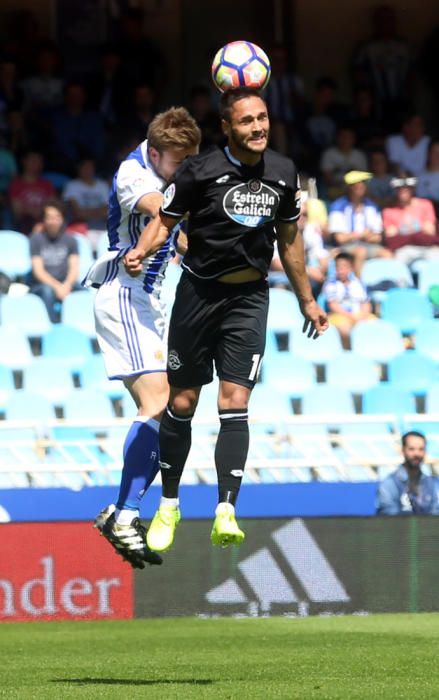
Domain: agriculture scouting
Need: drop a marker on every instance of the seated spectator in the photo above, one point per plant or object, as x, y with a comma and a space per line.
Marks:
316, 255
43, 89
75, 130
364, 121
408, 490
55, 260
410, 229
379, 188
345, 298
29, 191
87, 200
428, 181
337, 160
321, 119
407, 151
355, 222
11, 97
8, 169
207, 118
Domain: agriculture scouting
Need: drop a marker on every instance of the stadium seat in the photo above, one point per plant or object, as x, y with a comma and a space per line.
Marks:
379, 270
325, 399
288, 374
14, 254
85, 254
172, 277
406, 308
27, 406
77, 312
27, 312
7, 386
379, 340
353, 372
385, 398
48, 377
93, 376
269, 404
15, 351
68, 344
129, 409
319, 350
102, 245
428, 275
427, 339
283, 311
88, 405
432, 399
413, 372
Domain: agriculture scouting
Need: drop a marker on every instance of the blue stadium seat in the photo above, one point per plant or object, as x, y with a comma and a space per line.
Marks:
385, 398
427, 339
428, 275
353, 372
27, 406
27, 312
406, 308
68, 344
102, 245
88, 405
379, 340
288, 374
377, 270
15, 350
85, 251
172, 277
270, 404
413, 372
14, 254
319, 350
93, 376
48, 377
432, 399
7, 386
324, 398
283, 311
77, 312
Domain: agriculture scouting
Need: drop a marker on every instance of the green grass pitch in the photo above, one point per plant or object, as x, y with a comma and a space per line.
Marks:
379, 656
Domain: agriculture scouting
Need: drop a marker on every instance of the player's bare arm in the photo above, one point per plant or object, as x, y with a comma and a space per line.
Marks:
292, 255
151, 239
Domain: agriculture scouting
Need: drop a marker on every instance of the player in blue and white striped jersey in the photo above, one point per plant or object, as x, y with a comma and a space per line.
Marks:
130, 323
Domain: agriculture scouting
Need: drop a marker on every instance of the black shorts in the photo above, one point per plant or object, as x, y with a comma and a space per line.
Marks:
216, 323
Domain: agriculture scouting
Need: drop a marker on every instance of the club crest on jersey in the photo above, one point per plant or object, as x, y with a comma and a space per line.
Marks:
251, 204
168, 195
174, 361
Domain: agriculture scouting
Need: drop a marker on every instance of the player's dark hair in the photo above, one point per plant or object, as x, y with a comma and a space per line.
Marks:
344, 255
412, 433
229, 97
175, 128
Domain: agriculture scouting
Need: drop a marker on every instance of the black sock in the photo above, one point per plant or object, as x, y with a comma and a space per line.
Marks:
175, 442
231, 452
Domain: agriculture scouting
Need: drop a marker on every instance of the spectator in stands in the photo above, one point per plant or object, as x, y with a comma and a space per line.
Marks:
87, 200
345, 297
409, 490
55, 260
355, 222
11, 97
108, 92
379, 187
363, 118
383, 64
75, 130
320, 122
142, 110
43, 89
8, 170
29, 191
410, 227
407, 151
427, 186
339, 159
207, 118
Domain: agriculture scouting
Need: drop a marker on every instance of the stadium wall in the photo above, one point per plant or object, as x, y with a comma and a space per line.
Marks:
295, 566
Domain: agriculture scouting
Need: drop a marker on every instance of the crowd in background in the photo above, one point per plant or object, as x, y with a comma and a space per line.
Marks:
370, 167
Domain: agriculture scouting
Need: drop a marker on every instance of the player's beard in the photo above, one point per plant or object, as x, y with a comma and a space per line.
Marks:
244, 143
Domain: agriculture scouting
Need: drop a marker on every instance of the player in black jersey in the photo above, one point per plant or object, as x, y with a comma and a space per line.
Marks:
239, 199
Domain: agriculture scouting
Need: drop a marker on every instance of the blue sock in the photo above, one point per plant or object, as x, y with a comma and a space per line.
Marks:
140, 462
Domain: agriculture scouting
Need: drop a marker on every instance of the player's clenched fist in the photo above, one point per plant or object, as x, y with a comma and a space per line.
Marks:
133, 262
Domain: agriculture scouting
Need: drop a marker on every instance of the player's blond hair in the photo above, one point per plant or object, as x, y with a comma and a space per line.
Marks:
175, 128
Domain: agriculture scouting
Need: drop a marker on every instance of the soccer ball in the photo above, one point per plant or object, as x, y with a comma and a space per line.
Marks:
240, 64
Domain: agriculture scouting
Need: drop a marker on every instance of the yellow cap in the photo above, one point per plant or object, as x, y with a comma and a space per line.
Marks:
354, 176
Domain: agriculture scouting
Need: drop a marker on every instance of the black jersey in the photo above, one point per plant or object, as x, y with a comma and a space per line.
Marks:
232, 209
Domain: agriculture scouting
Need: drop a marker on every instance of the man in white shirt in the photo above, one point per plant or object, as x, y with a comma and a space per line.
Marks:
408, 150
87, 200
